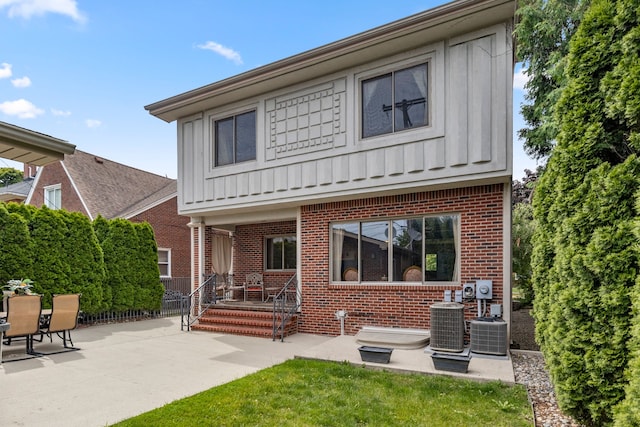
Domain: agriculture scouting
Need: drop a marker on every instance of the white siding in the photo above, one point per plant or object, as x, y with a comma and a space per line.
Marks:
308, 139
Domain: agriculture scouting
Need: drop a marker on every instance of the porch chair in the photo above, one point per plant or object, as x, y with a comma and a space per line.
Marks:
254, 283
64, 318
23, 314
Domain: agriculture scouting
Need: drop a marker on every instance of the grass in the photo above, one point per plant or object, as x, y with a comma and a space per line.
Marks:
317, 393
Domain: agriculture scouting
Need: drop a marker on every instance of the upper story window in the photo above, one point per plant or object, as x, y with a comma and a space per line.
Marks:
281, 253
235, 139
395, 101
53, 196
422, 249
164, 262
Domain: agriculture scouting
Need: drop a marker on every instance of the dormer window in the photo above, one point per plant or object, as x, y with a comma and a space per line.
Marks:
235, 139
395, 101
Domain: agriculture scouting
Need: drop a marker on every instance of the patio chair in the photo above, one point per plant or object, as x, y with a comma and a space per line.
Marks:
254, 283
64, 318
23, 314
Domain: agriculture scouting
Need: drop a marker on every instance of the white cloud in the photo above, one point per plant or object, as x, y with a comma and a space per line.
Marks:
21, 108
28, 8
5, 69
60, 113
21, 82
92, 123
222, 50
520, 78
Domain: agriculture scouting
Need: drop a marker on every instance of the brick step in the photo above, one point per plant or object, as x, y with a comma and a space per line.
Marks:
257, 323
238, 320
234, 330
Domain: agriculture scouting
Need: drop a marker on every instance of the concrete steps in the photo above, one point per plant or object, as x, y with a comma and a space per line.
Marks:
242, 321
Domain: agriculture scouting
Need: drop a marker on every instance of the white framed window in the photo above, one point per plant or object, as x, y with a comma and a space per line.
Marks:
53, 196
395, 101
164, 262
414, 249
280, 253
235, 139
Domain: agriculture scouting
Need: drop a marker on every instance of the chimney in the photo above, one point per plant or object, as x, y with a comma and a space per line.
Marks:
29, 171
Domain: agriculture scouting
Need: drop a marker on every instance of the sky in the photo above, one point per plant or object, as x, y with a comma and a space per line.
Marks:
82, 71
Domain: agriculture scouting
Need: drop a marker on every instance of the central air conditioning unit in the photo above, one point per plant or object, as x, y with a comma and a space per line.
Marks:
447, 326
489, 336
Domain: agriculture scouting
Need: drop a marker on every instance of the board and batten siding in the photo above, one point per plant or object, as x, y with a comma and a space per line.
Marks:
309, 149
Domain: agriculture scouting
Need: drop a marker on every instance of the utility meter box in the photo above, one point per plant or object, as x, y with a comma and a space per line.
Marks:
484, 289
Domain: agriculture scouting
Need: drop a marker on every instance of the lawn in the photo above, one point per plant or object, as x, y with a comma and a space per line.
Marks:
317, 393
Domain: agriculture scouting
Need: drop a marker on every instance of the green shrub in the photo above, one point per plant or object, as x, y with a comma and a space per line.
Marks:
585, 254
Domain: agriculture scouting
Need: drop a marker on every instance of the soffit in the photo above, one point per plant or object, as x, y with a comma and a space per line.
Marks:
29, 147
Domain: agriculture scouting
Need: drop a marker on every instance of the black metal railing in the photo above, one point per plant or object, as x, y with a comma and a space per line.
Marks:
285, 304
174, 300
214, 288
177, 284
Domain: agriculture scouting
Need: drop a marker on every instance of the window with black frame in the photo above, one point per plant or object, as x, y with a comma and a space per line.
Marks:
421, 249
235, 139
395, 101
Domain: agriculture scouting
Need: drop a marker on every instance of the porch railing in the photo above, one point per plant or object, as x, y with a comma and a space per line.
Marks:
285, 304
197, 302
204, 296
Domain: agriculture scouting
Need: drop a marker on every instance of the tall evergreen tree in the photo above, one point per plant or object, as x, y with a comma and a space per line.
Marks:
585, 254
87, 270
51, 269
543, 31
15, 247
120, 249
150, 291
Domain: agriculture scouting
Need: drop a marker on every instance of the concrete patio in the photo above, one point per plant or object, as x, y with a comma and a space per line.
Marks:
125, 369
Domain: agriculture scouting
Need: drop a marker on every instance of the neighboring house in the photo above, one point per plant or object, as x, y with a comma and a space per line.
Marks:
95, 186
17, 192
377, 168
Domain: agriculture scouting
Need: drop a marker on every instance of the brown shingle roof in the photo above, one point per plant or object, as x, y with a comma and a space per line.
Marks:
111, 189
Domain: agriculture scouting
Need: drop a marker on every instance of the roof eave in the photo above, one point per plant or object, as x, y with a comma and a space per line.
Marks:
26, 146
405, 34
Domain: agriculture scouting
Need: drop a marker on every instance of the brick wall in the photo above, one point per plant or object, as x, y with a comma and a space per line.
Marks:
403, 305
248, 246
171, 232
51, 175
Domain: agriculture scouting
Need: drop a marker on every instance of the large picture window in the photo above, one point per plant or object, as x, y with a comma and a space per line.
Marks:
395, 101
422, 249
281, 253
235, 139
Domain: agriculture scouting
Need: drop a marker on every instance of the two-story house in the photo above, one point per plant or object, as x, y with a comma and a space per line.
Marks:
377, 169
94, 185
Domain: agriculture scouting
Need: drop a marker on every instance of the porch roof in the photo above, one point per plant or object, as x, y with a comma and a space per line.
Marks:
29, 147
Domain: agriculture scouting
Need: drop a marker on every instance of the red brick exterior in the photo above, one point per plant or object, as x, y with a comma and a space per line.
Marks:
398, 305
55, 174
393, 305
171, 232
249, 243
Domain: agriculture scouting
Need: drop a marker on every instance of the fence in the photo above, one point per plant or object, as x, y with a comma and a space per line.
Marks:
176, 296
